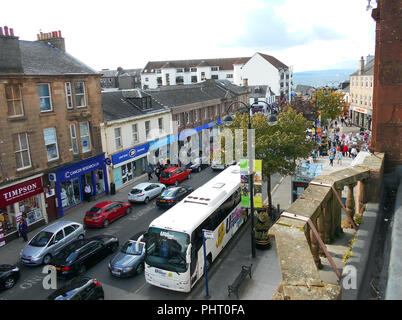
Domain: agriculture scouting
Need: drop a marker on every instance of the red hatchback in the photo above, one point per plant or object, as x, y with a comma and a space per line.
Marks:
174, 175
105, 212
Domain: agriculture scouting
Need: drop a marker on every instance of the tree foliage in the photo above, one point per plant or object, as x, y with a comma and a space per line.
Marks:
329, 103
279, 145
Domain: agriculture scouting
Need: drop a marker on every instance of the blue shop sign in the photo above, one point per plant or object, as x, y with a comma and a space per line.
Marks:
209, 125
219, 121
159, 143
130, 153
77, 169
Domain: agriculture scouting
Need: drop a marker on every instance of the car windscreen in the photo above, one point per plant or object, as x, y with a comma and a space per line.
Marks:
135, 191
129, 248
41, 239
166, 175
95, 210
169, 193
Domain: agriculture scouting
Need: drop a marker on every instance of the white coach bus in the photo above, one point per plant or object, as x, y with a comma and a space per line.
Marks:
174, 249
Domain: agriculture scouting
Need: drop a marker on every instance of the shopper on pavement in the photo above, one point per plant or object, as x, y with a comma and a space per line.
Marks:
87, 192
23, 229
331, 159
149, 171
339, 157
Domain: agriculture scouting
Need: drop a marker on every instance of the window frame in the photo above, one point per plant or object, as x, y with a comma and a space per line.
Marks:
160, 124
23, 150
83, 136
74, 139
147, 131
134, 133
45, 97
69, 95
118, 141
80, 94
13, 100
52, 143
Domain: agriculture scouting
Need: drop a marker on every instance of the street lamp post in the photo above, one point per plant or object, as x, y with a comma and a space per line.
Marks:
228, 120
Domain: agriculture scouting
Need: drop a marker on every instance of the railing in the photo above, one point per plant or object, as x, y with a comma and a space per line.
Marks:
297, 244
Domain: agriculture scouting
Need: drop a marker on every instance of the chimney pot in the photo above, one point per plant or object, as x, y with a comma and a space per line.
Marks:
1, 31
59, 34
6, 31
12, 32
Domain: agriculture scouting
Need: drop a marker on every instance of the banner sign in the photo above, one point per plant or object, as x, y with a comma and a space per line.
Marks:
20, 191
257, 183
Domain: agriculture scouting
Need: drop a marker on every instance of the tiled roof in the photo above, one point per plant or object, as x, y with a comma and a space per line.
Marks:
223, 64
119, 104
272, 60
39, 58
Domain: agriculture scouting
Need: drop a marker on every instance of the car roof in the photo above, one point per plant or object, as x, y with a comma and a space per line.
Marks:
58, 225
73, 285
170, 169
101, 237
103, 204
142, 185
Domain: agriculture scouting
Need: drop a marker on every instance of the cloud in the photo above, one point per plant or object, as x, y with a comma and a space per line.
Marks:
266, 30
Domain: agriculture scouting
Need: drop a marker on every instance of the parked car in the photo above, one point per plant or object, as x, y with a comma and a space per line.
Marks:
80, 255
105, 212
130, 260
197, 165
174, 175
9, 274
80, 288
218, 166
48, 242
145, 191
173, 195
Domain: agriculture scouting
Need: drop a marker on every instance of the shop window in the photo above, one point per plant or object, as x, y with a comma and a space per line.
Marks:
31, 209
99, 181
85, 136
70, 193
45, 99
21, 150
52, 150
80, 100
14, 100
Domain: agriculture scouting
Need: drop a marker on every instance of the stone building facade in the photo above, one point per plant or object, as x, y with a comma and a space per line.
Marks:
50, 115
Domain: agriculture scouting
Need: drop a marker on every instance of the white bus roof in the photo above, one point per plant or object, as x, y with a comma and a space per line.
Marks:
189, 213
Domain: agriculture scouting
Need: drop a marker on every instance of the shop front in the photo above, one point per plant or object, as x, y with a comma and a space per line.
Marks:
129, 164
362, 117
26, 199
71, 181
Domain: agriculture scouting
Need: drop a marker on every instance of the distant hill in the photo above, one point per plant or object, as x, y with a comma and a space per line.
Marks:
319, 78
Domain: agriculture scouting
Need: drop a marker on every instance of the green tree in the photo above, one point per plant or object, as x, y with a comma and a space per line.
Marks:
279, 145
329, 103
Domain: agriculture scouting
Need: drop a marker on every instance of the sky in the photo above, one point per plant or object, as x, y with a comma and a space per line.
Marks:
303, 34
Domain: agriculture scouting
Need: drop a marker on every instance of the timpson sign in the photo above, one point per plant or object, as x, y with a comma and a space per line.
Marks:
20, 191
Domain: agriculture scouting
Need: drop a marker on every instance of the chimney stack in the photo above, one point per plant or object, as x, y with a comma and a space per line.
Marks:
10, 53
54, 38
361, 65
245, 82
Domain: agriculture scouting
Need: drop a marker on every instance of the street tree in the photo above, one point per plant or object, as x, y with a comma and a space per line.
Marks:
278, 145
329, 103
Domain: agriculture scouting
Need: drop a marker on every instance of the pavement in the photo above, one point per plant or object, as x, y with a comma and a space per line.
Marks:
266, 275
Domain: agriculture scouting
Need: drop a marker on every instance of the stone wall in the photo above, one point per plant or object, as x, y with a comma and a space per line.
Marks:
298, 248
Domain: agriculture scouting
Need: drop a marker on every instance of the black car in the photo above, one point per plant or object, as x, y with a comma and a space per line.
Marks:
9, 274
80, 255
197, 165
173, 195
81, 288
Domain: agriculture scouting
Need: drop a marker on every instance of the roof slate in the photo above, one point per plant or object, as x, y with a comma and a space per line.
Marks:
39, 58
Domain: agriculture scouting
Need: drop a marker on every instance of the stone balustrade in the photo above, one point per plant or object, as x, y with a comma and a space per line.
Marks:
298, 248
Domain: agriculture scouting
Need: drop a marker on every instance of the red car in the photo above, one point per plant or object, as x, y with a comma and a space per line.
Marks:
174, 175
105, 212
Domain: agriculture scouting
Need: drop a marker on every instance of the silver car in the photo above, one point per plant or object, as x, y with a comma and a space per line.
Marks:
146, 191
48, 242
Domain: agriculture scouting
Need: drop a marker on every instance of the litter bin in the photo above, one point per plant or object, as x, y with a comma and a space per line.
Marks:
112, 188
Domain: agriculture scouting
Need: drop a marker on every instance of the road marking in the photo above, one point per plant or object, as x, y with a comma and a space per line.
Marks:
139, 289
277, 185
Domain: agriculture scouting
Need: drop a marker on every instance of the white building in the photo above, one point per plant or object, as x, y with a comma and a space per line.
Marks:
133, 121
260, 69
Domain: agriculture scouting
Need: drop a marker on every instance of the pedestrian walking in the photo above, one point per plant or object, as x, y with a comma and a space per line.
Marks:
149, 171
88, 192
353, 152
339, 157
331, 159
23, 228
344, 150
320, 150
158, 171
342, 121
